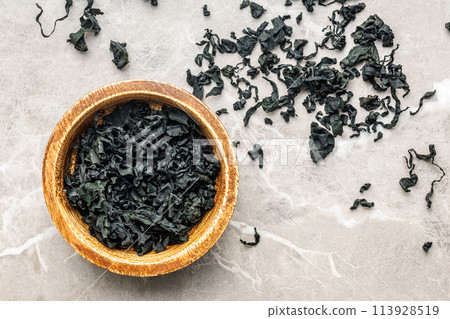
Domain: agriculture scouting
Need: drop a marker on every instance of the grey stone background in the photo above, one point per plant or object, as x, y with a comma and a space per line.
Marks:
313, 247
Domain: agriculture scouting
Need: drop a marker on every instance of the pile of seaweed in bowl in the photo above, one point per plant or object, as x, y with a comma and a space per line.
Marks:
142, 177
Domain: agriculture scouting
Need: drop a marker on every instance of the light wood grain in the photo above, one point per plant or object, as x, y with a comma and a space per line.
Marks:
68, 220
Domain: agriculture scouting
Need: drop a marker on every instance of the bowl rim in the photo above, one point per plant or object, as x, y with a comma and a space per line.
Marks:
104, 257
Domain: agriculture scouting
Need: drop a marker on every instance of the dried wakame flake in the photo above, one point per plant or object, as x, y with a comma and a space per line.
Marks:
256, 10
365, 187
236, 143
143, 177
254, 243
427, 95
374, 29
206, 13
257, 153
410, 181
363, 203
67, 8
379, 137
245, 4
221, 111
88, 23
321, 142
447, 25
426, 247
120, 53
268, 121
154, 2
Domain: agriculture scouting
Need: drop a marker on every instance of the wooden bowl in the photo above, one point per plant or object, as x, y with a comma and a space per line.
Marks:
68, 220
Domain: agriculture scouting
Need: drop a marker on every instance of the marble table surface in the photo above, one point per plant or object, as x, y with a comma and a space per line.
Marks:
312, 246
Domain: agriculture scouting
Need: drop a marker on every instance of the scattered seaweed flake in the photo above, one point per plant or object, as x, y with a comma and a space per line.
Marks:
67, 8
88, 23
154, 2
236, 143
288, 3
154, 203
257, 152
427, 95
244, 4
256, 10
299, 18
410, 181
206, 13
365, 187
447, 25
254, 243
221, 111
363, 202
321, 142
426, 246
268, 121
120, 53
379, 137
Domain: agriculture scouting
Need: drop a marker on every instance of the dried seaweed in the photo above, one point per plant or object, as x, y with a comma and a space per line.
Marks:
67, 8
374, 29
256, 10
321, 142
447, 26
221, 111
363, 202
120, 53
146, 204
88, 23
426, 246
257, 153
379, 137
236, 143
365, 187
427, 95
206, 13
410, 181
268, 121
257, 239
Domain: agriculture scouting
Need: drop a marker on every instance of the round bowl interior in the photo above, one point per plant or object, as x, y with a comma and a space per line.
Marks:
67, 219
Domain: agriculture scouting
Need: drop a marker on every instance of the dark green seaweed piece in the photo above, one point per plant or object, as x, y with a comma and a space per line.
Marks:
257, 10
335, 32
361, 53
245, 4
299, 18
257, 239
88, 23
370, 103
154, 2
257, 153
250, 112
374, 29
321, 142
447, 25
206, 13
427, 95
365, 187
221, 111
363, 202
194, 81
271, 103
67, 8
120, 53
426, 246
268, 121
288, 3
149, 200
405, 182
236, 143
239, 105
379, 137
